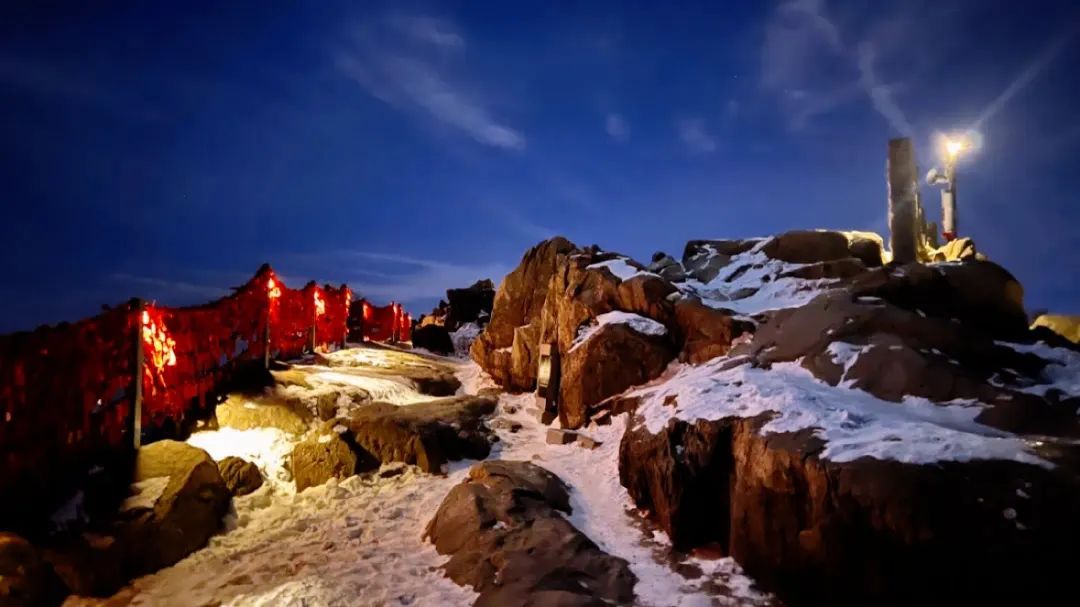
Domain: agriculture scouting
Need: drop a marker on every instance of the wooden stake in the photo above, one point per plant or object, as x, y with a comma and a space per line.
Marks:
140, 364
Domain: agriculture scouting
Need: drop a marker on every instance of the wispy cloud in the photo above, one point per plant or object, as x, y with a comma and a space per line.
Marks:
405, 278
695, 136
515, 220
616, 127
168, 290
808, 63
409, 63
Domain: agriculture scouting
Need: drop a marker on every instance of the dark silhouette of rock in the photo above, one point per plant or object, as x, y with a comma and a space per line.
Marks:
471, 304
506, 536
241, 477
433, 338
26, 579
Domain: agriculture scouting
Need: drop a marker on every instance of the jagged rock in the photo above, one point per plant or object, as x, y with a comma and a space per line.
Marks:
846, 267
26, 579
1064, 325
861, 532
703, 259
893, 352
613, 358
246, 413
667, 267
427, 435
322, 457
434, 338
506, 537
471, 304
518, 302
240, 476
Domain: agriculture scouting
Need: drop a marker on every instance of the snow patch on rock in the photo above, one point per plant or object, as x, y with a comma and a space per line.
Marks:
637, 322
852, 423
620, 269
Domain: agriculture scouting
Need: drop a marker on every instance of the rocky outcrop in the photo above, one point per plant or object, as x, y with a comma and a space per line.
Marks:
1062, 324
471, 304
427, 435
861, 532
322, 457
505, 532
26, 579
703, 259
507, 348
611, 359
433, 338
707, 332
240, 476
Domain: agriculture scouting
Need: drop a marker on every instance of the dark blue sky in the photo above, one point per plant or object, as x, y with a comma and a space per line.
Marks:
166, 151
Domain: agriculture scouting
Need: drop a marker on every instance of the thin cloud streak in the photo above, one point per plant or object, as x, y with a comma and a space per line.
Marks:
410, 73
695, 136
1025, 77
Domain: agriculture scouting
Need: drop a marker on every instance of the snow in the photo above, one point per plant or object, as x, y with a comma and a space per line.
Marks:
749, 285
640, 324
620, 268
145, 494
353, 542
1062, 372
463, 338
359, 541
603, 510
852, 423
267, 448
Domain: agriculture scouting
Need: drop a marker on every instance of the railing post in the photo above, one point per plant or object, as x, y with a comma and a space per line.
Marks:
140, 364
266, 333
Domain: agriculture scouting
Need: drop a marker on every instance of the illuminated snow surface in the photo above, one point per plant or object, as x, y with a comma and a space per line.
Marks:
359, 541
638, 323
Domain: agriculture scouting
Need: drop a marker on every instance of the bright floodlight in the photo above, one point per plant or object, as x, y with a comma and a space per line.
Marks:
954, 147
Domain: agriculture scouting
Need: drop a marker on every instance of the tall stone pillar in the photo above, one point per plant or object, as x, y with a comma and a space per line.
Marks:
903, 200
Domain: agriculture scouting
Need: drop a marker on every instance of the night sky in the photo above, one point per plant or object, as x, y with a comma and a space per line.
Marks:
165, 150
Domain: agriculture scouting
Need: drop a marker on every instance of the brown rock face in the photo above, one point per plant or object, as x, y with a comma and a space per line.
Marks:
26, 580
864, 532
518, 302
320, 458
808, 246
241, 477
608, 362
506, 538
189, 510
427, 435
245, 413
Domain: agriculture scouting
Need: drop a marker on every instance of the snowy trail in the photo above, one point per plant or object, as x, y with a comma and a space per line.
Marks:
353, 542
359, 541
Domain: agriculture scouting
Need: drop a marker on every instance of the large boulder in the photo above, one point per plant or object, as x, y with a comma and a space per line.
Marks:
607, 360
188, 510
427, 435
505, 531
26, 579
433, 338
241, 477
518, 303
866, 531
807, 246
324, 456
245, 413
